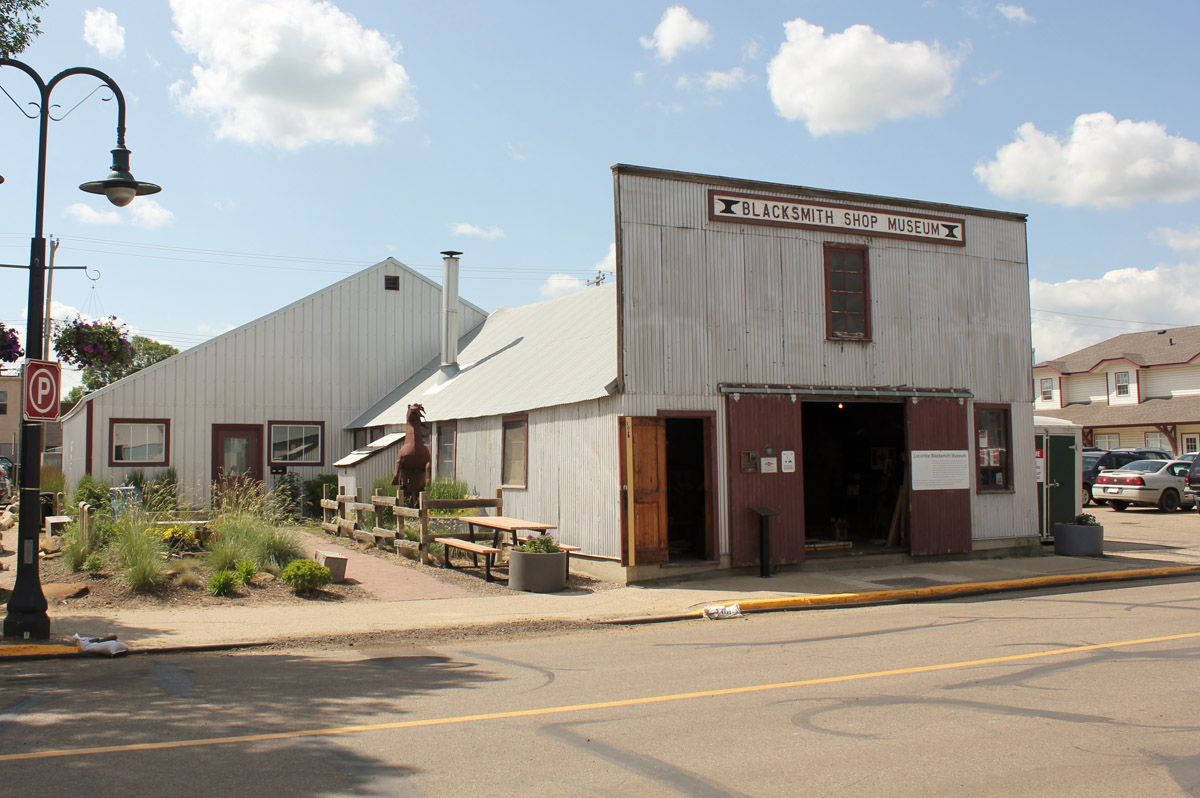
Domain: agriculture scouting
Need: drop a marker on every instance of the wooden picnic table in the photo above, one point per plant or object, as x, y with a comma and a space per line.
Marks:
501, 524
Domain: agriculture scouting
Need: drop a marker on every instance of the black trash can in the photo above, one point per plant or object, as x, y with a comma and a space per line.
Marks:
47, 502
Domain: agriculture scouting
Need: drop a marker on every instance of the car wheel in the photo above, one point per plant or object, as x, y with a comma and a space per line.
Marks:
1168, 502
1087, 495
1119, 506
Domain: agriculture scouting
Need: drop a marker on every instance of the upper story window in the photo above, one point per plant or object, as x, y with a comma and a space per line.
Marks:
1122, 381
447, 433
1047, 387
515, 451
3, 403
297, 442
847, 292
139, 442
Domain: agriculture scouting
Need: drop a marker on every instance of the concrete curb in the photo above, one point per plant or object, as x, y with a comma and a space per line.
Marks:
873, 598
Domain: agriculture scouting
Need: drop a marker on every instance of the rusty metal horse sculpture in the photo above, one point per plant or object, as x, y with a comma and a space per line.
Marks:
412, 463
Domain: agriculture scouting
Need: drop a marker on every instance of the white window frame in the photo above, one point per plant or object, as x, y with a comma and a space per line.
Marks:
1157, 440
1102, 440
1122, 388
1046, 386
1191, 442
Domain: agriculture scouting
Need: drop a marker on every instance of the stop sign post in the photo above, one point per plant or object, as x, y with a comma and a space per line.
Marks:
41, 385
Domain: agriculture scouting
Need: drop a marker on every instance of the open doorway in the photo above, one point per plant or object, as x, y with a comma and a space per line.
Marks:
687, 489
853, 469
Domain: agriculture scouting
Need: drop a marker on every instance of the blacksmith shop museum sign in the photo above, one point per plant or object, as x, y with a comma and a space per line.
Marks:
724, 206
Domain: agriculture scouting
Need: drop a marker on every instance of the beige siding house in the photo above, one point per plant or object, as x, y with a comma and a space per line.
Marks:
1138, 389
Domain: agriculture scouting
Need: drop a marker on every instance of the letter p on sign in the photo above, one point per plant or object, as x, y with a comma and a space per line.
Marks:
42, 378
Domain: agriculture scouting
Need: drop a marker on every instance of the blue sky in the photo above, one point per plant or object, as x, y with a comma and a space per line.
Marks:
297, 142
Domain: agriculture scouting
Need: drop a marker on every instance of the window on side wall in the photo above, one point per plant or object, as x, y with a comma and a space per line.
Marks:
3, 403
139, 442
994, 454
847, 293
1122, 380
447, 436
515, 451
1156, 440
1047, 388
1107, 440
297, 442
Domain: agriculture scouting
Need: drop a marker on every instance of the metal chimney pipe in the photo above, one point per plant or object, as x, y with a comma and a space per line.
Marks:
450, 308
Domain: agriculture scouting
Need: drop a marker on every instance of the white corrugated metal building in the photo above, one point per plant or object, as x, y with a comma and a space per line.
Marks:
857, 365
271, 396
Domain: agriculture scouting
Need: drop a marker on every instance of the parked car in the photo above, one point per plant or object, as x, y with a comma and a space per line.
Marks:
1191, 482
1097, 460
1155, 483
1190, 457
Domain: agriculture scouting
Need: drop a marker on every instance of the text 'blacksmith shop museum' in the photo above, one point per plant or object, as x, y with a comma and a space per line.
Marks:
857, 365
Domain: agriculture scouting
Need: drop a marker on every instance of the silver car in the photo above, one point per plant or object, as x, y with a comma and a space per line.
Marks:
1155, 483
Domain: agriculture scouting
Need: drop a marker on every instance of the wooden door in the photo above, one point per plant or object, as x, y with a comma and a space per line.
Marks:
237, 451
644, 488
940, 520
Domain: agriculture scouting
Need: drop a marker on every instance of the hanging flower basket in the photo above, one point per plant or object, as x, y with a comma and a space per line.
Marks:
93, 343
10, 345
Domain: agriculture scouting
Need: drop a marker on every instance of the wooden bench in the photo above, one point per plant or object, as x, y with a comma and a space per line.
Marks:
561, 547
489, 553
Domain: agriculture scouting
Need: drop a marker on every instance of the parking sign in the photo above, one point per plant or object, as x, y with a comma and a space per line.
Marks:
40, 390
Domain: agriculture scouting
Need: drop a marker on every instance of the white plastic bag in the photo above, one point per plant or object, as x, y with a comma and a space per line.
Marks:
103, 646
716, 612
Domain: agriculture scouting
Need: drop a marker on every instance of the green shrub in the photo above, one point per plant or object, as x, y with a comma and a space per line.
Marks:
222, 583
384, 515
277, 547
444, 489
305, 576
538, 544
225, 551
313, 493
136, 479
93, 491
161, 494
75, 553
245, 571
239, 495
140, 552
94, 563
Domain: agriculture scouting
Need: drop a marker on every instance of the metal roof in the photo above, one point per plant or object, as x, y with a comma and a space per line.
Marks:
550, 353
374, 447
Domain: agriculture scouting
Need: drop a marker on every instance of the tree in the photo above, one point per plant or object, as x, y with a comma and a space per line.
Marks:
146, 352
18, 25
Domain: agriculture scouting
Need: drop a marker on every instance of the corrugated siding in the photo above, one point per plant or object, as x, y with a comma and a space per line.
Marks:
325, 358
942, 316
573, 479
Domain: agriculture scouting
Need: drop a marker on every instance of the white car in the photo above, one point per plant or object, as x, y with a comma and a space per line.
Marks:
1155, 483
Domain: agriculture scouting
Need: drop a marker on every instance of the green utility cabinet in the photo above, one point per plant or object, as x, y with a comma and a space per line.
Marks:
1058, 451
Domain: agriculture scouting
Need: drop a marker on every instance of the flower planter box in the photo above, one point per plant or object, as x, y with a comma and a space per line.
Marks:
1079, 540
537, 572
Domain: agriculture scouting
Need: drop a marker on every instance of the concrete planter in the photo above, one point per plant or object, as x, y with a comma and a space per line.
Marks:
536, 572
1075, 540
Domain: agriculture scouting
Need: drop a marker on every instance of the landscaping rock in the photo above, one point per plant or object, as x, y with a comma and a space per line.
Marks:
50, 545
64, 590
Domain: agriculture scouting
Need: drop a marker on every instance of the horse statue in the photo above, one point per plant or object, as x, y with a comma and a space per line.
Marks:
413, 461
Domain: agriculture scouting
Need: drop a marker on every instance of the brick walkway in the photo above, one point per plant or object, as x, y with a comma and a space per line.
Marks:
381, 578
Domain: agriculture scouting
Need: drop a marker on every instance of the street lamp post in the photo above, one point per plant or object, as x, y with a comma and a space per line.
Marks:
27, 616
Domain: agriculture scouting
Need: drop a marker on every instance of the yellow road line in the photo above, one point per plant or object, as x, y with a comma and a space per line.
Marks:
628, 702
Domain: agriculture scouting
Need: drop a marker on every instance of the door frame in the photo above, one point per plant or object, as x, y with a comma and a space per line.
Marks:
257, 470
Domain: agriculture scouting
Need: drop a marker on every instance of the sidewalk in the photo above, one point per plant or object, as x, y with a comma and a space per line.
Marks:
413, 601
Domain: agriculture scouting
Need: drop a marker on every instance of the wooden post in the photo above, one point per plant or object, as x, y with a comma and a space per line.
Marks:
85, 525
499, 501
423, 546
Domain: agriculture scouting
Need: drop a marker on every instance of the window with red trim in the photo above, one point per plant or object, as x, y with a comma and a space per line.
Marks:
139, 442
993, 424
847, 293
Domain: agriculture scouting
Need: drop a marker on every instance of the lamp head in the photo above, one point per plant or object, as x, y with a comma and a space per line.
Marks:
119, 186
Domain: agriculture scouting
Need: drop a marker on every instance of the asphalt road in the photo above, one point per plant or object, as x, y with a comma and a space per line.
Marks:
1072, 692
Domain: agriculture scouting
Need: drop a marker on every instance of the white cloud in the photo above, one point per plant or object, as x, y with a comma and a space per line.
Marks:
639, 78
561, 285
89, 215
147, 213
609, 262
213, 329
1073, 314
1102, 163
677, 31
1185, 242
752, 50
101, 31
466, 229
288, 73
724, 81
852, 81
1014, 13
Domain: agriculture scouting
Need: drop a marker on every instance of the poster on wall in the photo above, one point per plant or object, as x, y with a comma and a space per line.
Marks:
941, 470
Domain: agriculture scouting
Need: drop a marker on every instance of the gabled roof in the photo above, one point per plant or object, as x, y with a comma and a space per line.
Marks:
556, 352
1173, 347
1149, 412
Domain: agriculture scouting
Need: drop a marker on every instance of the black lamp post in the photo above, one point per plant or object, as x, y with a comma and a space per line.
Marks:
27, 616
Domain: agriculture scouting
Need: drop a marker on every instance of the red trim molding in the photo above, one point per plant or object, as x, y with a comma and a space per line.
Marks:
297, 463
166, 461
